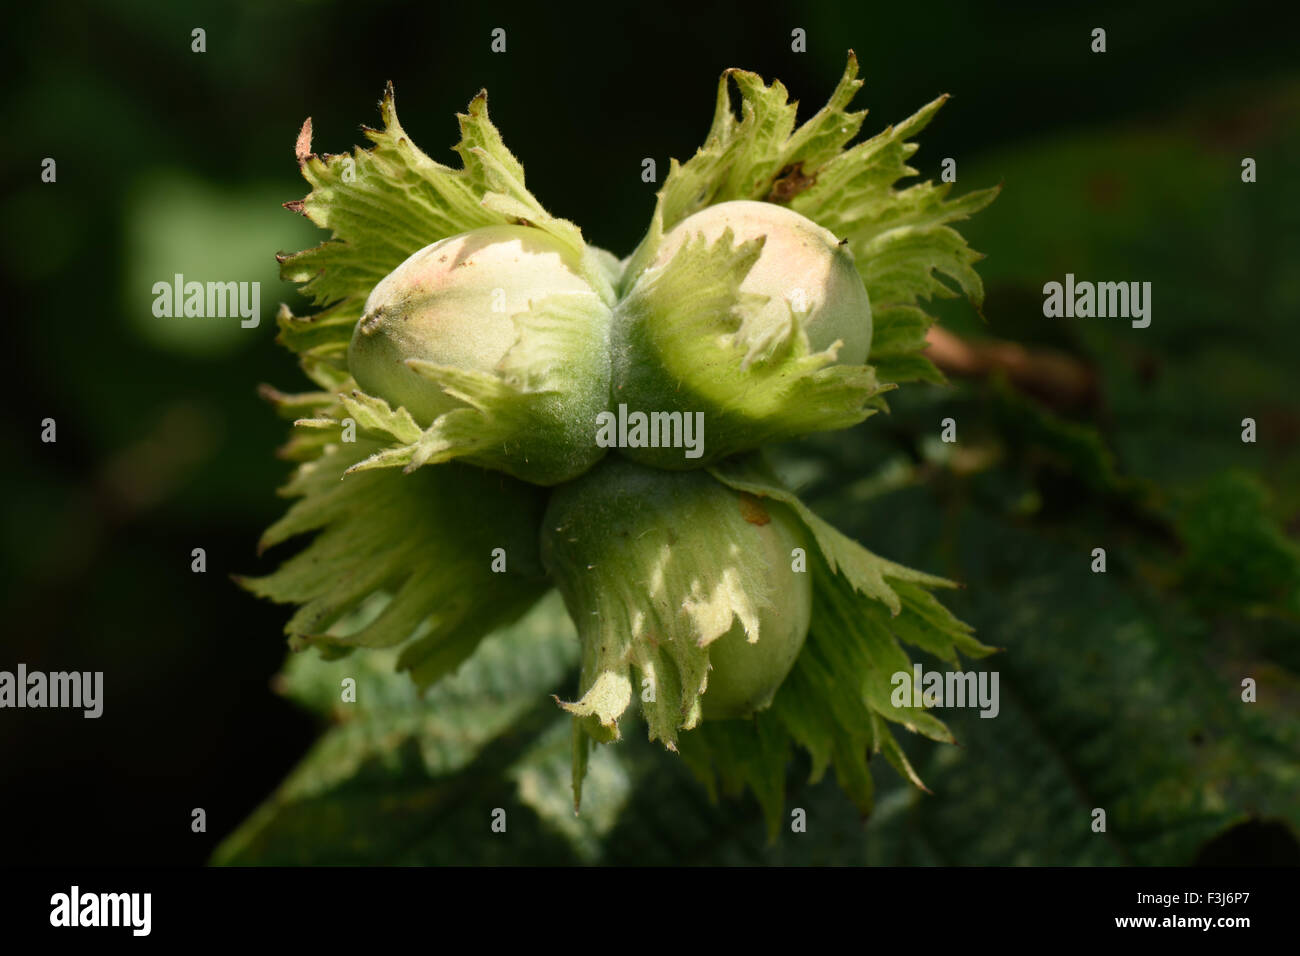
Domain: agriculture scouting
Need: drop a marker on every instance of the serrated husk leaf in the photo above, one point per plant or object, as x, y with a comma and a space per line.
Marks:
901, 239
420, 547
383, 203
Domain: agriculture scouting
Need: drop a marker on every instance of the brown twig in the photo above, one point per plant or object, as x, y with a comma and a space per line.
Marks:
1055, 378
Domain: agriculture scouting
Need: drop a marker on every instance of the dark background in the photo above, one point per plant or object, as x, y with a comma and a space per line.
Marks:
171, 161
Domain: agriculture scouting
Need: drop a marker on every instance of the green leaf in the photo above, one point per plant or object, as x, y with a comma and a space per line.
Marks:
1113, 697
406, 777
1095, 665
545, 782
1237, 556
1076, 448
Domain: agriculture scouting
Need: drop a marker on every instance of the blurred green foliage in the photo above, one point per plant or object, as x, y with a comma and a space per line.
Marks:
178, 224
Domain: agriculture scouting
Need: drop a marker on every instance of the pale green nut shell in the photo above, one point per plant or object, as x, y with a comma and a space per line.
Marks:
744, 676
453, 303
625, 543
802, 267
459, 302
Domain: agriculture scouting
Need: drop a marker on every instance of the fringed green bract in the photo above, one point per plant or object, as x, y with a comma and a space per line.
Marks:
404, 559
901, 239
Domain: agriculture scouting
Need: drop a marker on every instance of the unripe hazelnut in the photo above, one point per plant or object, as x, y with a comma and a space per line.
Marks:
744, 676
802, 267
740, 334
457, 303
651, 562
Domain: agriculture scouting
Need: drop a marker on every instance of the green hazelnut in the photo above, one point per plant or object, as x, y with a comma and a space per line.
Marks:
675, 571
803, 268
751, 320
744, 675
509, 303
